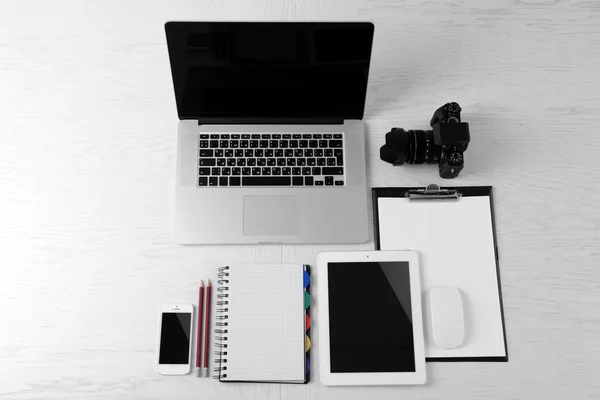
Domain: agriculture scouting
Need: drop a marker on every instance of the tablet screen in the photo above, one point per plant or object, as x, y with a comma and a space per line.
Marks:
370, 317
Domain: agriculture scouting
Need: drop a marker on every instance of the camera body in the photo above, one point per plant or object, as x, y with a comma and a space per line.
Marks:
445, 144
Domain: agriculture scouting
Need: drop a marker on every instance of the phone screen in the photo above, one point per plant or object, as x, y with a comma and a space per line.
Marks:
175, 338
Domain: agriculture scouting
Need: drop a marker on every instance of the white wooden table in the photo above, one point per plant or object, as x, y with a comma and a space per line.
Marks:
87, 161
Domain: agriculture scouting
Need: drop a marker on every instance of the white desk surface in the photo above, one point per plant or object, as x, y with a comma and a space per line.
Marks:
87, 160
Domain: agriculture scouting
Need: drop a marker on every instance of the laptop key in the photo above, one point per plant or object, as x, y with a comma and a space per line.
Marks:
266, 171
221, 162
337, 135
271, 162
204, 144
276, 136
296, 171
297, 181
340, 160
306, 171
203, 181
266, 181
203, 136
246, 171
321, 162
289, 153
339, 183
234, 181
225, 136
327, 136
301, 162
335, 143
204, 171
246, 136
308, 152
316, 171
248, 153
218, 153
241, 162
264, 144
269, 153
298, 153
236, 171
286, 171
318, 152
281, 162
208, 162
256, 136
223, 181
235, 136
331, 161
303, 144
239, 153
226, 171
276, 170
318, 183
214, 136
251, 162
283, 144
234, 144
278, 153
322, 143
259, 153
311, 162
317, 136
273, 144
337, 152
261, 162
333, 171
308, 180
231, 162
213, 181
293, 144
307, 136
256, 171
224, 144
254, 144
215, 171
328, 180
287, 136
266, 136
291, 162
244, 144
313, 144
296, 136
228, 153
214, 144
206, 153
328, 153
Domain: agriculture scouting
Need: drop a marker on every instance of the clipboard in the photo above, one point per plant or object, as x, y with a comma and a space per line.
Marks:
453, 230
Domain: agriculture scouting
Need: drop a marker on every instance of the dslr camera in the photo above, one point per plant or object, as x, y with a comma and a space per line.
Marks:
445, 144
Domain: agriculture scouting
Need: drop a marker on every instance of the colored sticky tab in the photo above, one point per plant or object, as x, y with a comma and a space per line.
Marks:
306, 300
307, 343
307, 323
306, 278
307, 366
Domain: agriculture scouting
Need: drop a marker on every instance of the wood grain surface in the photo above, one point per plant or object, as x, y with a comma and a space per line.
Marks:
87, 164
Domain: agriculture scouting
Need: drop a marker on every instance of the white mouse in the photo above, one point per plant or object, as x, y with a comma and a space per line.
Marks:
447, 317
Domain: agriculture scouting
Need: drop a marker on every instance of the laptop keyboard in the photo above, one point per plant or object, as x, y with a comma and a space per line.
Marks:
271, 159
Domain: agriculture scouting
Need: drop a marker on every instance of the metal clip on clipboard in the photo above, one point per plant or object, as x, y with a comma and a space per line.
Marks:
433, 192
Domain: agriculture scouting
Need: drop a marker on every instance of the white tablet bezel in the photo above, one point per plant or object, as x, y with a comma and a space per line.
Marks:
377, 378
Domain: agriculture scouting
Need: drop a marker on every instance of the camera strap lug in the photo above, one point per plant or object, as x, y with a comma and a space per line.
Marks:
433, 192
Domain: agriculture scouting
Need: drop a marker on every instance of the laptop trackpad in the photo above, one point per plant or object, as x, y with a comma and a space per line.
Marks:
271, 215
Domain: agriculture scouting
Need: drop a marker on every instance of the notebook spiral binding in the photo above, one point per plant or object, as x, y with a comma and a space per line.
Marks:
221, 323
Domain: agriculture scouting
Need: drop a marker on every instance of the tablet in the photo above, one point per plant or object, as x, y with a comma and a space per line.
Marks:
370, 318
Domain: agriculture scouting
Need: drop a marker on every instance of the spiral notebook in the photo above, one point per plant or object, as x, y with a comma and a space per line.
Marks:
262, 324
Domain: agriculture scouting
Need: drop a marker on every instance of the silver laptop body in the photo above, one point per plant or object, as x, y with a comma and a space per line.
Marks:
267, 182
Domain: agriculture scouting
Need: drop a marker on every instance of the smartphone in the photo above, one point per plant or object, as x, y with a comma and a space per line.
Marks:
175, 348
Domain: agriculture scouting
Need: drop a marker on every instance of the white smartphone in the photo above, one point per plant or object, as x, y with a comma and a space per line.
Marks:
175, 348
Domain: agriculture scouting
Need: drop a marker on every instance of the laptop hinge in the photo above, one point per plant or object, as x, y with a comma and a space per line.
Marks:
271, 121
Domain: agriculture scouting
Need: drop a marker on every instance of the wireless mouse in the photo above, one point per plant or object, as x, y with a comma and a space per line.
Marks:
447, 316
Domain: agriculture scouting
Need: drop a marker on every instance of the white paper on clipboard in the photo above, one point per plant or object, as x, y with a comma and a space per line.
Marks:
455, 242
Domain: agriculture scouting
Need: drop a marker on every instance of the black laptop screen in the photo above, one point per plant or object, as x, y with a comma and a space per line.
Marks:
269, 71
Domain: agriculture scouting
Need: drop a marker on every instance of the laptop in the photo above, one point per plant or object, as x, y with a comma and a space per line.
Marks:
270, 143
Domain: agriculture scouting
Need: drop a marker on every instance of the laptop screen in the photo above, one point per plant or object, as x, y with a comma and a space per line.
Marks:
270, 71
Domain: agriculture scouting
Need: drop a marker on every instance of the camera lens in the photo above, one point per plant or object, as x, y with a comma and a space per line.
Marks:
420, 148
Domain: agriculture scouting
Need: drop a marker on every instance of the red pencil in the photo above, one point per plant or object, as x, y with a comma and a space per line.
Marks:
199, 338
206, 328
